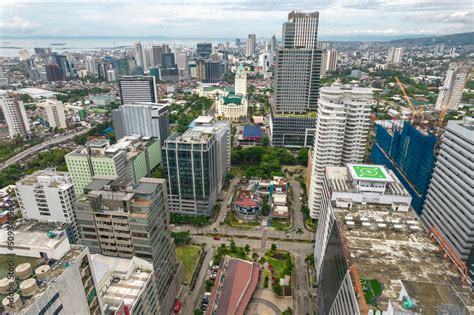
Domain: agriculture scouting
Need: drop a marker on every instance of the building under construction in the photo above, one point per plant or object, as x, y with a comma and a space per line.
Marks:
409, 152
372, 254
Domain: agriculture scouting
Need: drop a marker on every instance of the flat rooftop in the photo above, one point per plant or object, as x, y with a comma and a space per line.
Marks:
392, 248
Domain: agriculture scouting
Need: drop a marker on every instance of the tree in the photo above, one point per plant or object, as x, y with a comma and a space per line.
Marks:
265, 141
181, 238
209, 285
233, 248
265, 281
247, 248
198, 311
299, 231
265, 209
254, 256
303, 156
277, 287
273, 248
262, 260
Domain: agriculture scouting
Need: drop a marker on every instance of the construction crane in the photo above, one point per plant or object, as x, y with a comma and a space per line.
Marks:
416, 112
444, 106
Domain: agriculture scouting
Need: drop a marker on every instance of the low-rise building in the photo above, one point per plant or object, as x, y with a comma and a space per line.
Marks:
251, 136
52, 113
232, 107
248, 204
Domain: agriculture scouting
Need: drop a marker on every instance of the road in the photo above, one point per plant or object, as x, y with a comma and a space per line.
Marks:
39, 147
297, 214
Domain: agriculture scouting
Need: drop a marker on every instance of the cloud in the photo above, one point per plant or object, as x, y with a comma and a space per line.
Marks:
16, 24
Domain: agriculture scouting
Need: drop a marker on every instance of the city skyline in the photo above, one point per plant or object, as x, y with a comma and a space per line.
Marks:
368, 19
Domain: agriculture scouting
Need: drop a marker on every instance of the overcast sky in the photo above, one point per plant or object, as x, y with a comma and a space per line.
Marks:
229, 19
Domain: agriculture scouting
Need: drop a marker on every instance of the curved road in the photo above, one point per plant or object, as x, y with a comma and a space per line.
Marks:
24, 154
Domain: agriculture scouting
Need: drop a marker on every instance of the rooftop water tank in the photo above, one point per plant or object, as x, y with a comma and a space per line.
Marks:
12, 306
5, 285
43, 272
28, 287
23, 271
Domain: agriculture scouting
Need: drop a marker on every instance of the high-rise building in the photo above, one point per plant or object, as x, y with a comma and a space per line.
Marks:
450, 94
52, 113
395, 54
144, 119
241, 81
167, 60
53, 73
409, 152
102, 69
63, 282
203, 50
208, 71
157, 51
119, 220
111, 75
341, 134
66, 68
296, 82
24, 54
251, 45
329, 61
137, 89
15, 115
195, 164
131, 158
372, 254
138, 51
265, 61
182, 60
91, 66
47, 195
448, 212
273, 44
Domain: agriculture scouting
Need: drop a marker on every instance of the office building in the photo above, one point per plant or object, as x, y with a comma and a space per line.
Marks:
118, 220
195, 164
55, 276
182, 60
91, 66
157, 51
15, 115
409, 152
372, 254
329, 61
341, 134
250, 49
394, 54
111, 75
296, 82
138, 51
24, 54
52, 113
208, 71
448, 212
167, 60
273, 44
131, 158
53, 73
241, 81
144, 119
102, 69
48, 196
137, 89
203, 50
65, 66
125, 284
450, 94
265, 61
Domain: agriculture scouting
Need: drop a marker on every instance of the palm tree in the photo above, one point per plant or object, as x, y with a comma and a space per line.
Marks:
299, 231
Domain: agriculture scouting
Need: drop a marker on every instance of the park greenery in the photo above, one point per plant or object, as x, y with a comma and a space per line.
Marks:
198, 220
53, 158
189, 256
97, 131
9, 149
231, 250
183, 115
266, 162
75, 95
181, 238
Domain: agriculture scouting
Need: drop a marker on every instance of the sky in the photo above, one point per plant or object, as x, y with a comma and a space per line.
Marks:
232, 19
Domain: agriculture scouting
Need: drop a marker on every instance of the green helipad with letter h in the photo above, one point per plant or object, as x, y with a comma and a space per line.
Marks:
366, 171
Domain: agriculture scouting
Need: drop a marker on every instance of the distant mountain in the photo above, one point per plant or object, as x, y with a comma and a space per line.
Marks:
451, 40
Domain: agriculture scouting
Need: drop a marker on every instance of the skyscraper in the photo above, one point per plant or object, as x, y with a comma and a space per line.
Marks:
450, 94
53, 73
409, 151
15, 115
251, 45
273, 44
91, 65
195, 164
448, 212
203, 50
329, 61
119, 220
52, 113
137, 89
138, 51
341, 134
144, 119
395, 54
296, 82
157, 51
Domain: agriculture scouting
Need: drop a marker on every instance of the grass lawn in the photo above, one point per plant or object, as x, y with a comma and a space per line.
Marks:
278, 262
189, 256
232, 221
281, 226
17, 261
373, 289
237, 171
